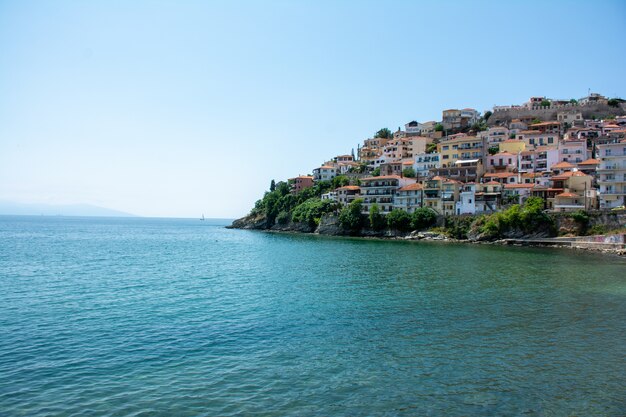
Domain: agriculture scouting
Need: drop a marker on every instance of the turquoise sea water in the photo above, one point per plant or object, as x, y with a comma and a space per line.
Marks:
156, 317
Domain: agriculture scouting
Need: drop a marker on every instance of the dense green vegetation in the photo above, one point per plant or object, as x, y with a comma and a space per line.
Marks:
423, 218
277, 205
409, 172
351, 218
384, 133
377, 220
311, 211
529, 218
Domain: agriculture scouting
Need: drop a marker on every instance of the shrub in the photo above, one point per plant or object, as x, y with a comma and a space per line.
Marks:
458, 227
423, 218
399, 220
409, 172
377, 220
283, 218
350, 218
311, 211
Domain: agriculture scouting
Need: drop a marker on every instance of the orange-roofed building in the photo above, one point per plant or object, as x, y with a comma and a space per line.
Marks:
381, 191
324, 173
347, 194
300, 183
409, 198
502, 161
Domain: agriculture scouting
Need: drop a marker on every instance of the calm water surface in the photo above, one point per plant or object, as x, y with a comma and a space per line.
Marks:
155, 317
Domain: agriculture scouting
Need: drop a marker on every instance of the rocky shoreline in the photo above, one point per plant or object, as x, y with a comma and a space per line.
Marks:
329, 226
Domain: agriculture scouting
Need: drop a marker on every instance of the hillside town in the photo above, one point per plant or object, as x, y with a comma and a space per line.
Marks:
570, 153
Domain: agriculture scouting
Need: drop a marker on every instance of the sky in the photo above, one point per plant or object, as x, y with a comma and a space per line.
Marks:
184, 108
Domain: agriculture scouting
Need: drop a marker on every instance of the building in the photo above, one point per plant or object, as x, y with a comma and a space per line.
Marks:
441, 195
347, 194
413, 128
495, 135
409, 198
516, 193
513, 146
573, 151
571, 117
572, 190
300, 182
324, 173
461, 170
612, 174
424, 162
534, 138
546, 127
454, 119
381, 191
331, 195
502, 161
502, 177
461, 147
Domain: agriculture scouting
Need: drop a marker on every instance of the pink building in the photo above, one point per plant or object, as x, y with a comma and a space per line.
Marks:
300, 183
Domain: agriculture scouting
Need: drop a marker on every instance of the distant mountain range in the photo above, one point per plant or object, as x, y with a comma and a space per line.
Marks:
10, 207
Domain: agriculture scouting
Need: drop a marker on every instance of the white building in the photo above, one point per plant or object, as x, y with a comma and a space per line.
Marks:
612, 174
424, 162
409, 198
324, 173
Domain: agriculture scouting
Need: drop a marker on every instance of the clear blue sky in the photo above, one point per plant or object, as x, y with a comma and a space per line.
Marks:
164, 108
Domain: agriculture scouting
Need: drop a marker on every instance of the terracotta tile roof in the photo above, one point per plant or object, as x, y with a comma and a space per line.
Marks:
568, 195
562, 164
349, 187
492, 183
409, 162
382, 177
545, 124
511, 186
500, 175
412, 187
590, 161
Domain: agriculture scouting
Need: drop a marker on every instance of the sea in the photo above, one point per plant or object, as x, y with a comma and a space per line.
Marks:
182, 317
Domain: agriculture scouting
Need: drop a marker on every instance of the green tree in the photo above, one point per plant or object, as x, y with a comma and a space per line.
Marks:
282, 188
377, 220
431, 148
614, 102
384, 133
493, 150
573, 101
351, 217
283, 218
399, 220
340, 181
423, 218
535, 121
545, 103
272, 185
438, 127
409, 172
487, 115
376, 172
311, 211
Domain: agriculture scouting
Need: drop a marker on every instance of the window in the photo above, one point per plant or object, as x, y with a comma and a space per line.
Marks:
550, 140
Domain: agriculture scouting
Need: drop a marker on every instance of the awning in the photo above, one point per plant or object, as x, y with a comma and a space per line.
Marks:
467, 161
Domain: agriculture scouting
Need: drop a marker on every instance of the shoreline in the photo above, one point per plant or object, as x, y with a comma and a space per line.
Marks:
603, 249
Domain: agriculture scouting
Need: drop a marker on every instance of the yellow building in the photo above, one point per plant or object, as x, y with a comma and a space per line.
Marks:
512, 146
460, 148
